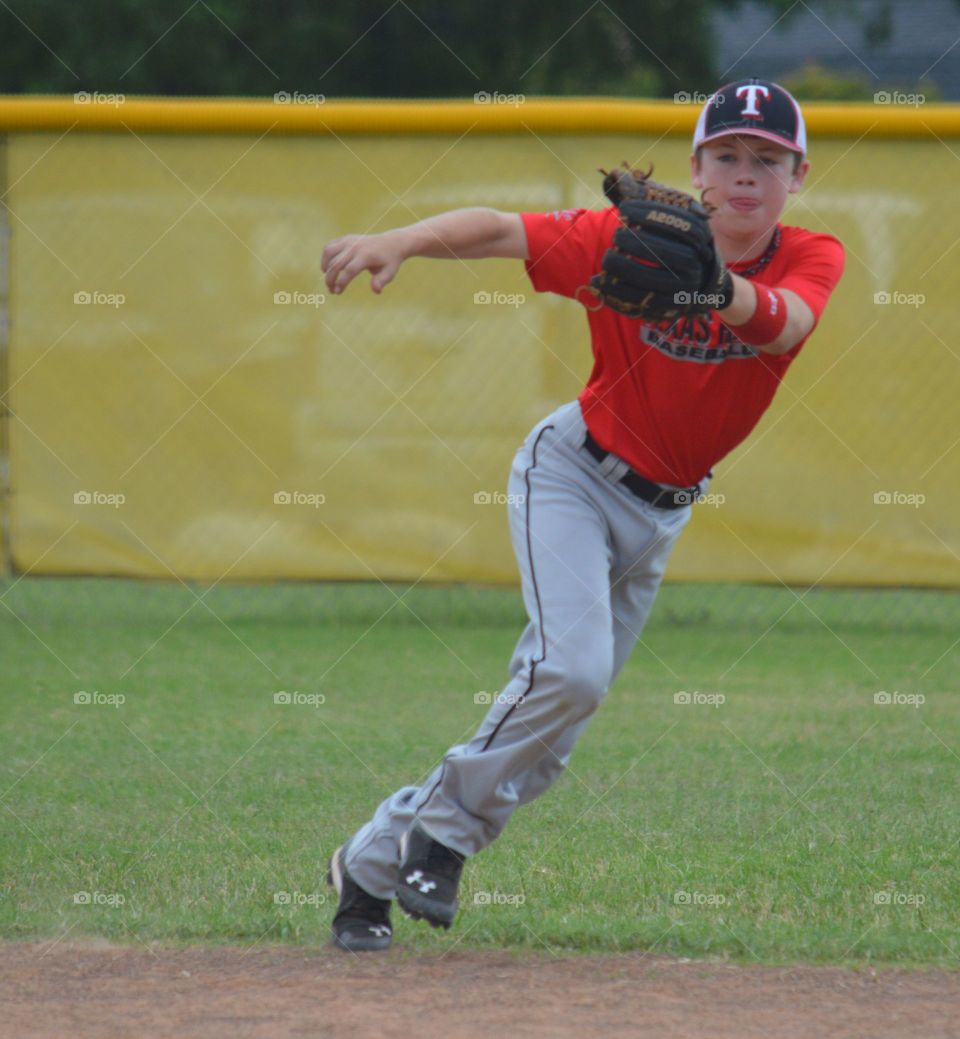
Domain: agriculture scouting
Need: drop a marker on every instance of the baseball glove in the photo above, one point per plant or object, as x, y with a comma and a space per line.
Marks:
663, 263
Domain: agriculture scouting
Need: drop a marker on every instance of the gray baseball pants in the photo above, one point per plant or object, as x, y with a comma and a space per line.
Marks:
591, 557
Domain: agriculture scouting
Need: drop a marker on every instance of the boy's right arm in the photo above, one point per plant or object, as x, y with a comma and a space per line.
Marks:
466, 234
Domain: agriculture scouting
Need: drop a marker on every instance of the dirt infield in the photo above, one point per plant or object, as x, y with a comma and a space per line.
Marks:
96, 991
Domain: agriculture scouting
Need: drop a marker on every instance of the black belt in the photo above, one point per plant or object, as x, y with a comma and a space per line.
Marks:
661, 497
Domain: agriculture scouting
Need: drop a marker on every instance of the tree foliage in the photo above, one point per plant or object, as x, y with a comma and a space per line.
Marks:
367, 48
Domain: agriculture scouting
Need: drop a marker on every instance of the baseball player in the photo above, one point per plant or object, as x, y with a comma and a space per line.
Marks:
696, 310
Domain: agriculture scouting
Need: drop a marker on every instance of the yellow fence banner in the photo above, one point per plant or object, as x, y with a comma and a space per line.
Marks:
183, 398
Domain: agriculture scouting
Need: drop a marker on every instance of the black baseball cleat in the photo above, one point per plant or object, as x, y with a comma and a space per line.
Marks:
362, 923
429, 876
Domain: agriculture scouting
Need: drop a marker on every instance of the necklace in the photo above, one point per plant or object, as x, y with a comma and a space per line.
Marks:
758, 265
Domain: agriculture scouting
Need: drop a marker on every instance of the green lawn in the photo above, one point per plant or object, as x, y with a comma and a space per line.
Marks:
796, 821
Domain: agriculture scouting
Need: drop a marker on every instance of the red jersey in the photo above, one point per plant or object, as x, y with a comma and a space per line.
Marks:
672, 399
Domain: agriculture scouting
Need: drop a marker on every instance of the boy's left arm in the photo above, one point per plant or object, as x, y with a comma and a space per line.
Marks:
741, 312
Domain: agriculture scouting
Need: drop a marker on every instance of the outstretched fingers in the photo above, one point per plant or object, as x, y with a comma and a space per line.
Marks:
343, 259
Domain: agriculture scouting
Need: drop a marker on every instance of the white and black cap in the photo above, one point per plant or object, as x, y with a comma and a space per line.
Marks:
752, 106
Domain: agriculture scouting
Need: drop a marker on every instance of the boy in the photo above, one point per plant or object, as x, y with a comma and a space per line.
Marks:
604, 484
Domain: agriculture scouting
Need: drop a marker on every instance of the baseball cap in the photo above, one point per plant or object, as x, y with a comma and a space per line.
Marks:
752, 106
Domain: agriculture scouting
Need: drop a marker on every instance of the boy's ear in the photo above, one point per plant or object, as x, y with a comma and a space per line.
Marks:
798, 178
695, 171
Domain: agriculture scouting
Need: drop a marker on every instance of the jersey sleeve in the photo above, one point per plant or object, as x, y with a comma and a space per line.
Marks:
814, 271
566, 247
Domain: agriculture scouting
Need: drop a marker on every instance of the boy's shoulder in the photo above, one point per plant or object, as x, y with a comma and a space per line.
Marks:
810, 263
795, 250
795, 238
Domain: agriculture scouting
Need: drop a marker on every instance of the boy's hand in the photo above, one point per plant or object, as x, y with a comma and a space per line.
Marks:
344, 258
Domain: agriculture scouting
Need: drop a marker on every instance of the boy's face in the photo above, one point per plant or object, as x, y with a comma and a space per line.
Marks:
750, 178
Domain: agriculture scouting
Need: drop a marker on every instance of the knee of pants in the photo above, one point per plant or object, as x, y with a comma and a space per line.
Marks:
583, 678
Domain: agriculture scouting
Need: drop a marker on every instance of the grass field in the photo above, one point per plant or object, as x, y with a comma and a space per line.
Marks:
797, 820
